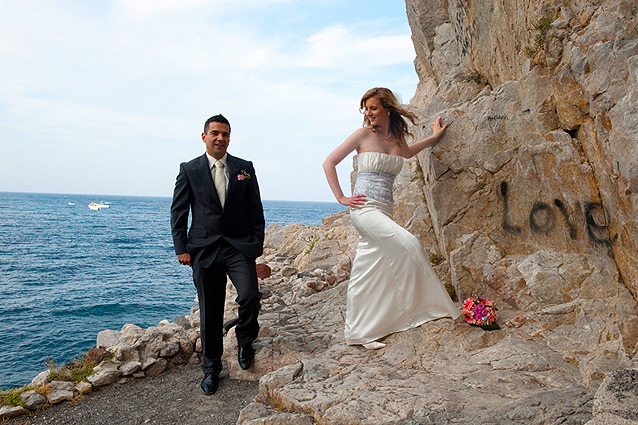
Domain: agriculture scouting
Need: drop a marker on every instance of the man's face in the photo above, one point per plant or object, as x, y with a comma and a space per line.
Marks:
217, 139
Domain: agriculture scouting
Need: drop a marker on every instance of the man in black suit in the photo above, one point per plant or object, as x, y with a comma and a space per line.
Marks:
225, 237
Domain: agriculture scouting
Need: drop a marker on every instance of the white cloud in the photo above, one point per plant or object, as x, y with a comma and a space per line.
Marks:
132, 82
337, 47
147, 9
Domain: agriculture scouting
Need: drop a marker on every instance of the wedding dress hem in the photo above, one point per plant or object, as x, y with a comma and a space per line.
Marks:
392, 284
366, 340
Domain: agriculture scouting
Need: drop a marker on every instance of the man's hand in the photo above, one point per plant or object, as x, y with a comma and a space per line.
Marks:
184, 259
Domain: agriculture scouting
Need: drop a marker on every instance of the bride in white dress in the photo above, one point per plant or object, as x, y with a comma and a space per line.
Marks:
392, 284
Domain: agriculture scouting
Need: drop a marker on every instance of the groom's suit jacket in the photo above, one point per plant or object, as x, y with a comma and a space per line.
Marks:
241, 221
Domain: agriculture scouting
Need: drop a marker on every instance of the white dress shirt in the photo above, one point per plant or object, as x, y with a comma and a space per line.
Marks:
211, 168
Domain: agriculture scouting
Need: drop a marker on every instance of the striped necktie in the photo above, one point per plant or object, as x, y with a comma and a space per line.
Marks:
220, 181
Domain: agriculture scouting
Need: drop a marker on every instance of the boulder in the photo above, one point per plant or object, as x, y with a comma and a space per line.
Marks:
107, 338
41, 378
130, 367
103, 376
157, 367
83, 388
32, 399
12, 411
59, 391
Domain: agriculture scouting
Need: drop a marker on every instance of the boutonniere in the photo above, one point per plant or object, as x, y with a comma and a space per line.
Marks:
243, 175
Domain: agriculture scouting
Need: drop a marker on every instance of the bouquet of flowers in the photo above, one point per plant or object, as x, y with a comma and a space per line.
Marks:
479, 311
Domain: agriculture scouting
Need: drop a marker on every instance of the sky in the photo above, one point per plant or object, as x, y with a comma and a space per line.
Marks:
108, 97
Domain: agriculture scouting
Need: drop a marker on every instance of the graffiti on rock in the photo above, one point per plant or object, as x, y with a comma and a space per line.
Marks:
543, 219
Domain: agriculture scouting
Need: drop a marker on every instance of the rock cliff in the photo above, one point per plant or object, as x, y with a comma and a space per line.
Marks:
530, 200
533, 193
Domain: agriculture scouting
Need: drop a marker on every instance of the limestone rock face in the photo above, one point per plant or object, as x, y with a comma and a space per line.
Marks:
530, 200
330, 248
441, 372
531, 194
616, 400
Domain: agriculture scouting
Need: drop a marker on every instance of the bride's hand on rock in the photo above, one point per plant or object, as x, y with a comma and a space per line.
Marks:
438, 129
356, 201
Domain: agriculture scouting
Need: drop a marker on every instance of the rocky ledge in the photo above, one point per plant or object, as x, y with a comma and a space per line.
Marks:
442, 372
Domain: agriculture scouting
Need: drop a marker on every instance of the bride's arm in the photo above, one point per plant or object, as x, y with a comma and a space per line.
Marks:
330, 168
409, 151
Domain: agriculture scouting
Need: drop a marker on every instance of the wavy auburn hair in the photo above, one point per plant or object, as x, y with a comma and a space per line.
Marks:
398, 114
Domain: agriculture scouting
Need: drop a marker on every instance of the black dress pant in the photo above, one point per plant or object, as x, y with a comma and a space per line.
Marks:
211, 292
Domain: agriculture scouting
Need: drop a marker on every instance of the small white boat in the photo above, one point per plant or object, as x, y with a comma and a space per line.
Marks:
98, 206
71, 203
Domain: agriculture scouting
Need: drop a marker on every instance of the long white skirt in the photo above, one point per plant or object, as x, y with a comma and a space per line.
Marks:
392, 284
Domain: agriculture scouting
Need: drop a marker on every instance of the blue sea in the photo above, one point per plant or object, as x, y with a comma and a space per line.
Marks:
68, 272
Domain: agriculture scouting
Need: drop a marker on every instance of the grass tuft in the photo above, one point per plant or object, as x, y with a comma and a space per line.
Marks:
536, 51
80, 367
435, 258
474, 76
543, 24
311, 244
76, 370
11, 397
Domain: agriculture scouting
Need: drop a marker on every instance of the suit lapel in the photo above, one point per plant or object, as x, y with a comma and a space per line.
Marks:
207, 178
232, 164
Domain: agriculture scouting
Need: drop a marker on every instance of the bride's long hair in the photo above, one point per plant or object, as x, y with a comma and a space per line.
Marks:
398, 114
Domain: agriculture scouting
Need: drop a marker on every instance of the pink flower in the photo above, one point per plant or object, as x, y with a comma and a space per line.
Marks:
240, 177
479, 311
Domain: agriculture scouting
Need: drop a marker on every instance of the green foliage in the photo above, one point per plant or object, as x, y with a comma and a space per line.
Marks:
11, 397
311, 244
435, 258
80, 367
543, 24
474, 76
536, 51
530, 52
76, 370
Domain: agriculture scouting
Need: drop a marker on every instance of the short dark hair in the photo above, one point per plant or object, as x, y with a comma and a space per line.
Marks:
216, 118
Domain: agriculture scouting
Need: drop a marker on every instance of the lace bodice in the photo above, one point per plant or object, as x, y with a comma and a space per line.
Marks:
376, 172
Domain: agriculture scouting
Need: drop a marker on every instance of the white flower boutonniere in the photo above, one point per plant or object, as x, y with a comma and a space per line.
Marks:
243, 175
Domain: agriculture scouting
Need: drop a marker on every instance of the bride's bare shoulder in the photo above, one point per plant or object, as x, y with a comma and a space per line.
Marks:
362, 132
358, 137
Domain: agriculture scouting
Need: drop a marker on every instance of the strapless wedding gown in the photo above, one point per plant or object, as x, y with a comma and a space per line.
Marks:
392, 284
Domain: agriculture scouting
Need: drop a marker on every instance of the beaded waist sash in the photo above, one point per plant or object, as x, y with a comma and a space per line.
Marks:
374, 185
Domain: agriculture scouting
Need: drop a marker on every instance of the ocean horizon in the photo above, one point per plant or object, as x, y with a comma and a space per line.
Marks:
68, 272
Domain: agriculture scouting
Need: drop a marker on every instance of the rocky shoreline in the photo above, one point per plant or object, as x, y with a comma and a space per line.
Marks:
444, 371
135, 353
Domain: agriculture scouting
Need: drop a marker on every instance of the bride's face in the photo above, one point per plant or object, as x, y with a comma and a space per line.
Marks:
376, 113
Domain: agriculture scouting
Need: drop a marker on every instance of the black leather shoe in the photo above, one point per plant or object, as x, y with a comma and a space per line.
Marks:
210, 383
245, 356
